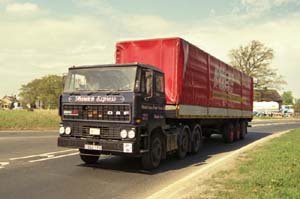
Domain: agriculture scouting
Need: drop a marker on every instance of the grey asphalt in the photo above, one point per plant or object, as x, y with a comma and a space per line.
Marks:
112, 177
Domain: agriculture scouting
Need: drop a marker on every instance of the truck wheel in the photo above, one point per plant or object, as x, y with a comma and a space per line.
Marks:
151, 160
197, 140
89, 157
237, 131
228, 133
183, 145
243, 129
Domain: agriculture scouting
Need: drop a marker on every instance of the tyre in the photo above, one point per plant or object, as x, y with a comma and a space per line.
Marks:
151, 160
228, 133
237, 131
197, 140
88, 156
243, 129
183, 145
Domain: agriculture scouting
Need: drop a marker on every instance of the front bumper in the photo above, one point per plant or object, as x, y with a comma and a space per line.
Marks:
115, 147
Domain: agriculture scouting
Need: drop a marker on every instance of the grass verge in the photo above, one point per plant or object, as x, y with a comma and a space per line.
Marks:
22, 119
270, 171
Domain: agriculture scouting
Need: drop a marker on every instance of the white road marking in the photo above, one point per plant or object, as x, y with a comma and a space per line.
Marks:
2, 164
49, 154
28, 137
172, 190
53, 157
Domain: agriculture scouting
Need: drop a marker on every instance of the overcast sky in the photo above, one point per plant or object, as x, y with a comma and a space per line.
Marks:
40, 37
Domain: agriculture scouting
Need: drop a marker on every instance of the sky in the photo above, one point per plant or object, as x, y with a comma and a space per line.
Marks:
41, 37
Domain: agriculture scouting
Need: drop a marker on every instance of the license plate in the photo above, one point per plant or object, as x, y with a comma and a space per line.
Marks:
93, 147
127, 147
94, 131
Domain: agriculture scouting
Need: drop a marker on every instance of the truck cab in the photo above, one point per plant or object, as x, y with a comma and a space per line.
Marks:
114, 109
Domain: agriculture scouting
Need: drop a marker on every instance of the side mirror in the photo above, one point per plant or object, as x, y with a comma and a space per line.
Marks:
64, 78
148, 97
60, 106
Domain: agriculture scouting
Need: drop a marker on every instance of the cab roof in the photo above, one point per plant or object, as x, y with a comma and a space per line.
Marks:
147, 66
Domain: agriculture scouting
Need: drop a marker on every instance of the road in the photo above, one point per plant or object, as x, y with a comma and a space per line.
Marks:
31, 166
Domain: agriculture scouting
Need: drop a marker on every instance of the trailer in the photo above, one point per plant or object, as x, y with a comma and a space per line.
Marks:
163, 96
266, 108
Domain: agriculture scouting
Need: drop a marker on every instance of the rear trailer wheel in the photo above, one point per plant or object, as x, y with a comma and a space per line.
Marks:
183, 145
151, 160
237, 131
228, 133
197, 140
89, 156
243, 129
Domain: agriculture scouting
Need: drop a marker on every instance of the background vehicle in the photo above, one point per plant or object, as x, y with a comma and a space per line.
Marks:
162, 96
265, 108
287, 110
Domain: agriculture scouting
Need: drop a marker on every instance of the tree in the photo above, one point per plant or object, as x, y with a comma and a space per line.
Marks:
287, 98
255, 60
297, 105
45, 90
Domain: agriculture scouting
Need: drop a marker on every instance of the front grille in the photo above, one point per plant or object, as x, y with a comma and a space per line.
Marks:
105, 132
109, 112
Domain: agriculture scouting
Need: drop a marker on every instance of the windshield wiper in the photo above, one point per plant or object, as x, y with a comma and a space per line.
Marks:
113, 93
103, 89
74, 93
98, 90
124, 89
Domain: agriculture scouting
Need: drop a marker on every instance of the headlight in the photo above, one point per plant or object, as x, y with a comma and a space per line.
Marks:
123, 133
61, 130
131, 134
68, 130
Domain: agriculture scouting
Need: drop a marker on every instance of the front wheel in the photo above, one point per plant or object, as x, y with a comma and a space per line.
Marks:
151, 160
88, 156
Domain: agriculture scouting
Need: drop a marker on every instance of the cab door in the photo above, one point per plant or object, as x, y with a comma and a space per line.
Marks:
153, 89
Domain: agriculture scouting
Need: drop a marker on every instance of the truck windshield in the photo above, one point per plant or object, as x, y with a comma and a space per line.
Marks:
101, 79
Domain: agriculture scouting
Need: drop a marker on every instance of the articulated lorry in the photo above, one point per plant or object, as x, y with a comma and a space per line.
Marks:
163, 96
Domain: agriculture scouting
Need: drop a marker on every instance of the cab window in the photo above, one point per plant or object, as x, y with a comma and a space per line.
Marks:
159, 84
146, 86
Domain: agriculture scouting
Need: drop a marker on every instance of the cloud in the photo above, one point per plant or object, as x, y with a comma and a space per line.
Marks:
22, 9
127, 24
4, 2
259, 7
19, 7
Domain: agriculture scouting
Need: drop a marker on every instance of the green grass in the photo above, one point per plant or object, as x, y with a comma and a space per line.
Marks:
22, 119
271, 171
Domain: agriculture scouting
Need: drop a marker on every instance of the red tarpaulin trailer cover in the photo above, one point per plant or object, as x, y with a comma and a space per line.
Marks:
197, 81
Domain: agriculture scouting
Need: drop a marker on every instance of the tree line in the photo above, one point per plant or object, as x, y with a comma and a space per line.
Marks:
43, 92
288, 99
